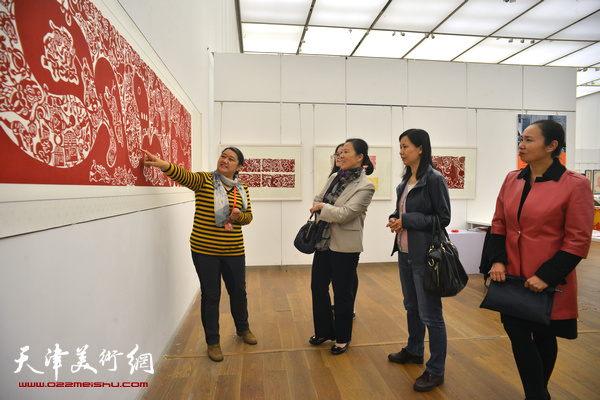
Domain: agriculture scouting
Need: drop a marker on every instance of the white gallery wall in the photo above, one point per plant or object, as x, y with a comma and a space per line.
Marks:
315, 101
588, 133
121, 281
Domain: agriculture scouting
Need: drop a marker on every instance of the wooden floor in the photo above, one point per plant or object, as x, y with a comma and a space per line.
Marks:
283, 365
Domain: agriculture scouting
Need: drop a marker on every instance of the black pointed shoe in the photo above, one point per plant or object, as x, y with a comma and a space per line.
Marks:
315, 341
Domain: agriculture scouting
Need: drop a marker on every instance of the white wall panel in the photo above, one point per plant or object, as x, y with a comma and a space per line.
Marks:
248, 123
247, 77
447, 127
432, 83
371, 123
494, 86
549, 88
329, 123
376, 81
311, 79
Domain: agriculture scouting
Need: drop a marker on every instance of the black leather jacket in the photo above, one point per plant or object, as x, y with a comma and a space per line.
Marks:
428, 197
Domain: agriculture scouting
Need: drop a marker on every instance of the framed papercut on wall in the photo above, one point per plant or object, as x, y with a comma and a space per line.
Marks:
459, 166
381, 157
596, 181
271, 172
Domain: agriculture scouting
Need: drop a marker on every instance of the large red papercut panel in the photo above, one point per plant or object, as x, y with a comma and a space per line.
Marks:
453, 169
259, 172
77, 102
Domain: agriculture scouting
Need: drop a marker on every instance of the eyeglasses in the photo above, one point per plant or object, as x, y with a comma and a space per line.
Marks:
337, 155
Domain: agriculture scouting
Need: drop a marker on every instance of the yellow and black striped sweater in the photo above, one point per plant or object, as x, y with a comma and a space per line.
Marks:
206, 237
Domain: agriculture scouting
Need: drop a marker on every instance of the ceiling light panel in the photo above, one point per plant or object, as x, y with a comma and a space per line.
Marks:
587, 29
443, 47
412, 15
585, 90
331, 41
263, 38
588, 56
492, 51
346, 13
548, 17
545, 52
483, 17
277, 12
388, 44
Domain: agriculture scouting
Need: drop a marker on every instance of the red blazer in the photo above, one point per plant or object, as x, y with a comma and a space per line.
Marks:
557, 215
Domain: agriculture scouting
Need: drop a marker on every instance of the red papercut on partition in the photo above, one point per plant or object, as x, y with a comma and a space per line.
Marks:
269, 172
77, 102
453, 169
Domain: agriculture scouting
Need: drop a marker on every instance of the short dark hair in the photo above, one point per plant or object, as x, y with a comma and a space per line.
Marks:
361, 147
551, 131
420, 138
237, 152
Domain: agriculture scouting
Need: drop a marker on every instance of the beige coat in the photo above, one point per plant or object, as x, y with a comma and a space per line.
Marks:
347, 215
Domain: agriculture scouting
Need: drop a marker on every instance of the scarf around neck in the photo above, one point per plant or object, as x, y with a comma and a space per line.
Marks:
337, 187
222, 211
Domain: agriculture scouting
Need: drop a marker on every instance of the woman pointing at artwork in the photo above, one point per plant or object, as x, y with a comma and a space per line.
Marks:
217, 242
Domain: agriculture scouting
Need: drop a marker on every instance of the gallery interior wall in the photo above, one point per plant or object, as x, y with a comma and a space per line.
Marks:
315, 101
126, 280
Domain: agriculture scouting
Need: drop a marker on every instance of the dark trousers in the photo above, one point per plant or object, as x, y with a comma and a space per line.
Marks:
210, 269
339, 269
535, 354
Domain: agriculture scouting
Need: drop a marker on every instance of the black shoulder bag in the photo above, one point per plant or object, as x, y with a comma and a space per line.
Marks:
309, 235
444, 273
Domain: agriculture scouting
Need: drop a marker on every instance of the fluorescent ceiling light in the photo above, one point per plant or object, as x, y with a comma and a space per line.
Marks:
443, 47
545, 52
587, 29
492, 51
388, 44
420, 16
277, 12
588, 76
547, 18
271, 38
347, 13
331, 41
479, 17
579, 58
585, 90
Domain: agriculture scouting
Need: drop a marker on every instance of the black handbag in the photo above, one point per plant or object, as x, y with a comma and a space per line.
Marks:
512, 298
309, 235
444, 273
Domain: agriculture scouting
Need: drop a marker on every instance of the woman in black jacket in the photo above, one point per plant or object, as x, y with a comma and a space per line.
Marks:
422, 194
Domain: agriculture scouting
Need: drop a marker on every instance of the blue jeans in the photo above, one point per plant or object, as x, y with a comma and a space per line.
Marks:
422, 310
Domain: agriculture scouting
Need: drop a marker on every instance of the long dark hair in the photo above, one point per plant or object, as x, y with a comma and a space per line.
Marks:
335, 167
552, 130
239, 155
418, 137
361, 147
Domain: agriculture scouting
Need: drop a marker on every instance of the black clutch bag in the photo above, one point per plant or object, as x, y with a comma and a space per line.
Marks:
309, 235
513, 298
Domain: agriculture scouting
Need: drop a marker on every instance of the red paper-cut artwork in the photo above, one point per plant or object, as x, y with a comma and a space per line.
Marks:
269, 173
77, 102
453, 169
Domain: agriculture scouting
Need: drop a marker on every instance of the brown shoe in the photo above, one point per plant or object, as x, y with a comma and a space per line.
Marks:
214, 352
404, 357
428, 382
248, 336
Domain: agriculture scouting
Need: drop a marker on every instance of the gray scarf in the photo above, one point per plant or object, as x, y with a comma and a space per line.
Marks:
222, 211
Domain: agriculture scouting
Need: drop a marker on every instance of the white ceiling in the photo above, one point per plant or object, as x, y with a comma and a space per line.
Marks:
523, 32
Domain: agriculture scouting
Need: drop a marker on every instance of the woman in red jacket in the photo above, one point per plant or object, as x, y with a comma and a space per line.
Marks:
541, 229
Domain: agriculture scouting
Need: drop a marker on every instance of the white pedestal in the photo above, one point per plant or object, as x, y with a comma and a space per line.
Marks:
470, 246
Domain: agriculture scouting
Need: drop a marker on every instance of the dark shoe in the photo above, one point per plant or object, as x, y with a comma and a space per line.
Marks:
404, 357
315, 341
214, 352
427, 382
248, 336
335, 350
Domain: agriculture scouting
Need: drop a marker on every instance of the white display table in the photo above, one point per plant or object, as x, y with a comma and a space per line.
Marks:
469, 245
